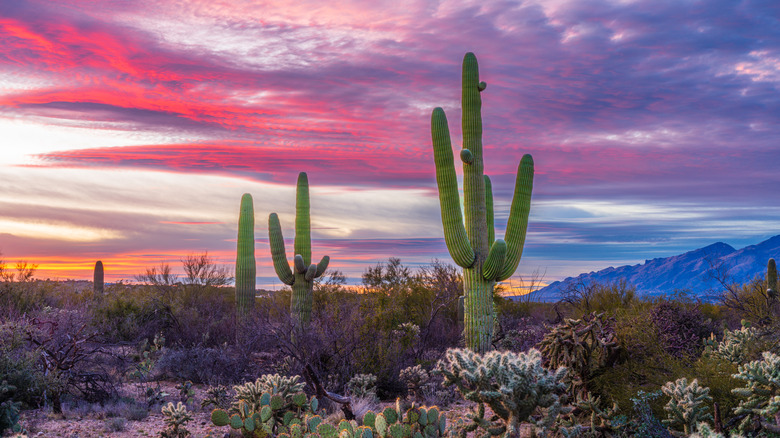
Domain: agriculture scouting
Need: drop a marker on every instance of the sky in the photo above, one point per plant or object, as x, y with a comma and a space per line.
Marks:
131, 128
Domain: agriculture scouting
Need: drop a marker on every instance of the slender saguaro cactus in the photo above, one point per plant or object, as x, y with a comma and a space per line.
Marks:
245, 257
302, 276
97, 278
771, 279
473, 246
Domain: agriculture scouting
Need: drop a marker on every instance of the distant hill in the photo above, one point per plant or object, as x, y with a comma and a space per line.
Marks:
691, 270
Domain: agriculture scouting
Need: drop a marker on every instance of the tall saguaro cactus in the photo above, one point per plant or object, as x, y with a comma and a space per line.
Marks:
301, 276
246, 269
473, 245
771, 278
97, 278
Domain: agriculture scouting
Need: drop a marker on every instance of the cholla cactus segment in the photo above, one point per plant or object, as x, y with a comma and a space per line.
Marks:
762, 389
687, 406
737, 346
513, 385
472, 243
414, 378
176, 418
363, 386
583, 346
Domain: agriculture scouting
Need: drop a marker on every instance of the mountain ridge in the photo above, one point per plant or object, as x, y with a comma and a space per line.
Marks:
691, 270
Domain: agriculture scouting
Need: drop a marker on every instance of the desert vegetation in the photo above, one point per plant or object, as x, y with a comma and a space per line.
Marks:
411, 353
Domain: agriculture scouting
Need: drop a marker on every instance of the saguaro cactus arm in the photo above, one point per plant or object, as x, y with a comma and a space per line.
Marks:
278, 254
517, 224
322, 266
449, 200
303, 219
489, 210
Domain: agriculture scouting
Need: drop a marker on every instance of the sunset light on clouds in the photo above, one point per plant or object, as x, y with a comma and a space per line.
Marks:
132, 128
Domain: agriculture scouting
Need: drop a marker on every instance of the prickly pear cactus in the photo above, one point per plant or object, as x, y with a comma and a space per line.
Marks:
279, 411
687, 406
414, 422
302, 276
472, 245
245, 258
513, 385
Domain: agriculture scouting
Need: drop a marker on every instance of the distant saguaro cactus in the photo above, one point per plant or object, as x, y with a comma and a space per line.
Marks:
473, 246
246, 269
97, 278
771, 279
302, 277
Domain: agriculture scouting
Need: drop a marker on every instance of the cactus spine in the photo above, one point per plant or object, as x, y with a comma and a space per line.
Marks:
97, 278
301, 276
245, 257
473, 246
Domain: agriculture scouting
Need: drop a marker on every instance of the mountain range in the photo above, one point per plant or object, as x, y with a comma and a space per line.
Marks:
694, 271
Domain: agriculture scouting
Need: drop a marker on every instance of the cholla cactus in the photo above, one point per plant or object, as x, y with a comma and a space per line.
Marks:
686, 406
415, 378
176, 418
363, 386
513, 385
762, 390
591, 420
737, 346
582, 346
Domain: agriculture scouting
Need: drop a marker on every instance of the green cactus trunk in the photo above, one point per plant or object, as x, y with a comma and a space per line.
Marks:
246, 270
301, 277
771, 279
97, 278
472, 245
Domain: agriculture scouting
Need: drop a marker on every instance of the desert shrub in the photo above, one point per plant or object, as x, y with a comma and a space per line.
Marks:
115, 424
9, 409
718, 375
681, 327
20, 364
589, 297
519, 334
204, 365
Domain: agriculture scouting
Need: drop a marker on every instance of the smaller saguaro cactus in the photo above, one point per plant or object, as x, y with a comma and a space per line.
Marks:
771, 279
97, 278
246, 270
301, 278
687, 406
